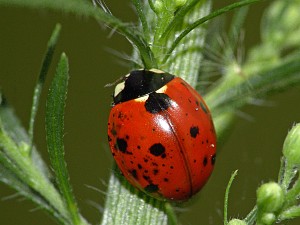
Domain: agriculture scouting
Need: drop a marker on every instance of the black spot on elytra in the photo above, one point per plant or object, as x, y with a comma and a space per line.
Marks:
147, 178
138, 147
194, 131
157, 102
157, 150
121, 145
121, 115
133, 173
203, 107
213, 159
154, 164
151, 188
166, 180
205, 161
109, 138
155, 171
140, 166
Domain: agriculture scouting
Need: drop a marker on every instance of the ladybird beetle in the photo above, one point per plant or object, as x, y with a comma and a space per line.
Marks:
161, 134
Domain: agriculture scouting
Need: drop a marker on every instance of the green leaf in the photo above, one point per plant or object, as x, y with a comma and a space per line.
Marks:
180, 14
55, 132
13, 126
126, 205
204, 19
20, 172
290, 213
41, 79
10, 179
141, 14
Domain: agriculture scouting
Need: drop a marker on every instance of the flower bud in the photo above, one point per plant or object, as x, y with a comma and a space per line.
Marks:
268, 218
179, 3
270, 197
159, 6
291, 146
237, 222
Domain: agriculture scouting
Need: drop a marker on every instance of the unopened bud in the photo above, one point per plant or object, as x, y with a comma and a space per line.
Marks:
268, 218
237, 222
270, 197
291, 146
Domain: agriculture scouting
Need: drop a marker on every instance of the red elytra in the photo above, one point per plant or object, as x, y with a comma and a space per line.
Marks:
161, 135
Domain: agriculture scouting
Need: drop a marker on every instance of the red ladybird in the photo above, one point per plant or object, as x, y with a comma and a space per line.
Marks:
161, 134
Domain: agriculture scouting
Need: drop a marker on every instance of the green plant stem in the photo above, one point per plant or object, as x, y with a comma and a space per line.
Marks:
251, 217
41, 80
226, 200
292, 195
181, 62
288, 173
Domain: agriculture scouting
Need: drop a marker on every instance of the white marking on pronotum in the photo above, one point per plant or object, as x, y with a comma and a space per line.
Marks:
156, 70
120, 86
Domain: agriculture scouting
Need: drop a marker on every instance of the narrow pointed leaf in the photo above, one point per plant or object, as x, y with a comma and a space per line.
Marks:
41, 79
55, 132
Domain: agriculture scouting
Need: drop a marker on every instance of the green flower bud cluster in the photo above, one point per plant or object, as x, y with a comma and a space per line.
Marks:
270, 200
278, 201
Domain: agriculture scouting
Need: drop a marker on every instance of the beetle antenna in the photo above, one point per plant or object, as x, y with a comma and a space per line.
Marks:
115, 82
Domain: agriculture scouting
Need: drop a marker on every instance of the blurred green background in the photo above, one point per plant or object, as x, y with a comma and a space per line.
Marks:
254, 147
